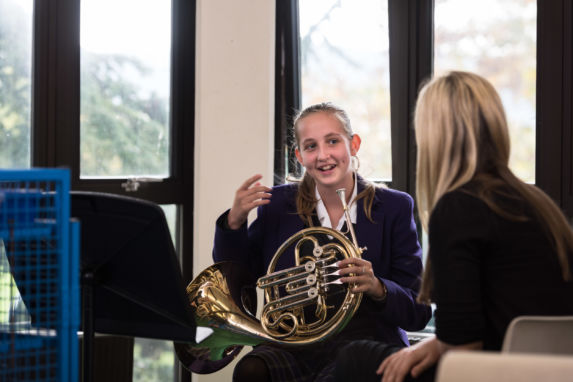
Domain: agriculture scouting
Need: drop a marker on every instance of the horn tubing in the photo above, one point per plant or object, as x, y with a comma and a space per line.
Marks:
342, 194
280, 273
299, 303
302, 275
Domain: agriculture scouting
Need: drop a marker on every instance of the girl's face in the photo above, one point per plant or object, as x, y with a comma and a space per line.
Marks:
325, 150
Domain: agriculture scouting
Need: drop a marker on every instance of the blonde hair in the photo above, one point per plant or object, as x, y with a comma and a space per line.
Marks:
305, 199
462, 135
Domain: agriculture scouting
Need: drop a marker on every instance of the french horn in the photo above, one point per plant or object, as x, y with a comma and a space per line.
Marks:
304, 304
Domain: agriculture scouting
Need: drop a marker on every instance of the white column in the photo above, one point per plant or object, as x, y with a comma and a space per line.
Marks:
234, 122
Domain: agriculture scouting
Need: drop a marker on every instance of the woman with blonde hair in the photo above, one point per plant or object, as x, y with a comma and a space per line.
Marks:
498, 247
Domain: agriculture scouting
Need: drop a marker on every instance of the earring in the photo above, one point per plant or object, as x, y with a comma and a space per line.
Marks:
355, 163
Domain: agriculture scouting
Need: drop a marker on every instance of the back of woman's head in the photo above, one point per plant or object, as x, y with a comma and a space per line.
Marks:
461, 131
462, 136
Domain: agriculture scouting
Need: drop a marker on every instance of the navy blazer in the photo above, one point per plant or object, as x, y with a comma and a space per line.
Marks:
392, 248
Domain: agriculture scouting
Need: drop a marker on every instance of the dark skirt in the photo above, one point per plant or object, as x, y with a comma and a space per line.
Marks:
359, 360
306, 363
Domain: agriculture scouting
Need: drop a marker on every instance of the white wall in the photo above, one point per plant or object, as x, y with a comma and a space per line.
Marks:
234, 122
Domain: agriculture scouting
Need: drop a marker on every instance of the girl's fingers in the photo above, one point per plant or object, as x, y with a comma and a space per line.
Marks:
252, 200
349, 261
362, 268
255, 203
253, 193
247, 197
256, 190
352, 261
247, 183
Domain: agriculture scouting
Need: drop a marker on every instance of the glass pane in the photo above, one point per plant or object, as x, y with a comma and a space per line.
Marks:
496, 39
125, 87
15, 82
170, 211
345, 60
154, 360
14, 314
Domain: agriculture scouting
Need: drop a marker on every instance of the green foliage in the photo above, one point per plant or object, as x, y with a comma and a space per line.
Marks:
122, 133
15, 87
153, 360
123, 130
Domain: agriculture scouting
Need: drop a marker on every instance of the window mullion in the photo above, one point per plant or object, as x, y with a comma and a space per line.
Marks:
411, 39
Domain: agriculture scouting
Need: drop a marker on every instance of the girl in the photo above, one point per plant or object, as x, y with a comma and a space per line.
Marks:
388, 273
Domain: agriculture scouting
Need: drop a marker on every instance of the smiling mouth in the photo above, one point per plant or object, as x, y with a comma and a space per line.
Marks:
327, 167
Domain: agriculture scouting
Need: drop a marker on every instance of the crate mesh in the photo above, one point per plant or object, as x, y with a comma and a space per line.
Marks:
39, 314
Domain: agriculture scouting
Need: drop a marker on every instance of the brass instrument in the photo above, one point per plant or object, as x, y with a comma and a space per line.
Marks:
299, 306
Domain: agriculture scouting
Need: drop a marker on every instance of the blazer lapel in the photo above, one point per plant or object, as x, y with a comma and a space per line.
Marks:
368, 234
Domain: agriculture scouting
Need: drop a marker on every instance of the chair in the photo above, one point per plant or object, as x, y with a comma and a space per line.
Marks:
478, 366
539, 334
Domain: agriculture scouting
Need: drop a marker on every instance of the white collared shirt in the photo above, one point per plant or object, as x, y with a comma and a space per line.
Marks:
323, 214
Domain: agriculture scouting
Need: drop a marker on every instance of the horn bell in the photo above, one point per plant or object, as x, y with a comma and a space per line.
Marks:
223, 298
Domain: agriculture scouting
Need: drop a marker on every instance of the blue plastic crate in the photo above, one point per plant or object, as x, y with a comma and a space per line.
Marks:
39, 276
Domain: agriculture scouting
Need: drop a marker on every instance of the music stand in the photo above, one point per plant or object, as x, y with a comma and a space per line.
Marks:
131, 279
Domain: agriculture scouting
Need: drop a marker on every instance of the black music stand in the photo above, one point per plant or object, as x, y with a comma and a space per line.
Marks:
131, 279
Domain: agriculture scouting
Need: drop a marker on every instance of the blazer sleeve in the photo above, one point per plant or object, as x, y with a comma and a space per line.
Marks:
241, 245
404, 276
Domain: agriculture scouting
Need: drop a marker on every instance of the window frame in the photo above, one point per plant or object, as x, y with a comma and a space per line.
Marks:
411, 63
410, 35
411, 30
287, 85
55, 132
554, 160
56, 100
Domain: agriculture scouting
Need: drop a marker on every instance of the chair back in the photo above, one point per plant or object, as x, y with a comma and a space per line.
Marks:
539, 334
480, 366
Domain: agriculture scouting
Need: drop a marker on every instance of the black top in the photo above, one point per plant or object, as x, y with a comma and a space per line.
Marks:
488, 270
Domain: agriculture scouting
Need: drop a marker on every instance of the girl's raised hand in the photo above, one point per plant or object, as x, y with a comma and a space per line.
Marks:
250, 195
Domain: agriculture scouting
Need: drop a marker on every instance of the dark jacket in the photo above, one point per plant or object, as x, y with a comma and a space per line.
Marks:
392, 247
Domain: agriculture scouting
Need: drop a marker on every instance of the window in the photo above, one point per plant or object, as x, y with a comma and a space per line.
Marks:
344, 59
125, 127
118, 114
15, 121
15, 82
154, 360
522, 46
125, 88
496, 39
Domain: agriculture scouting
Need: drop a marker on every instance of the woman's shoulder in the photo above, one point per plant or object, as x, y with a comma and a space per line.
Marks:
459, 208
462, 197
